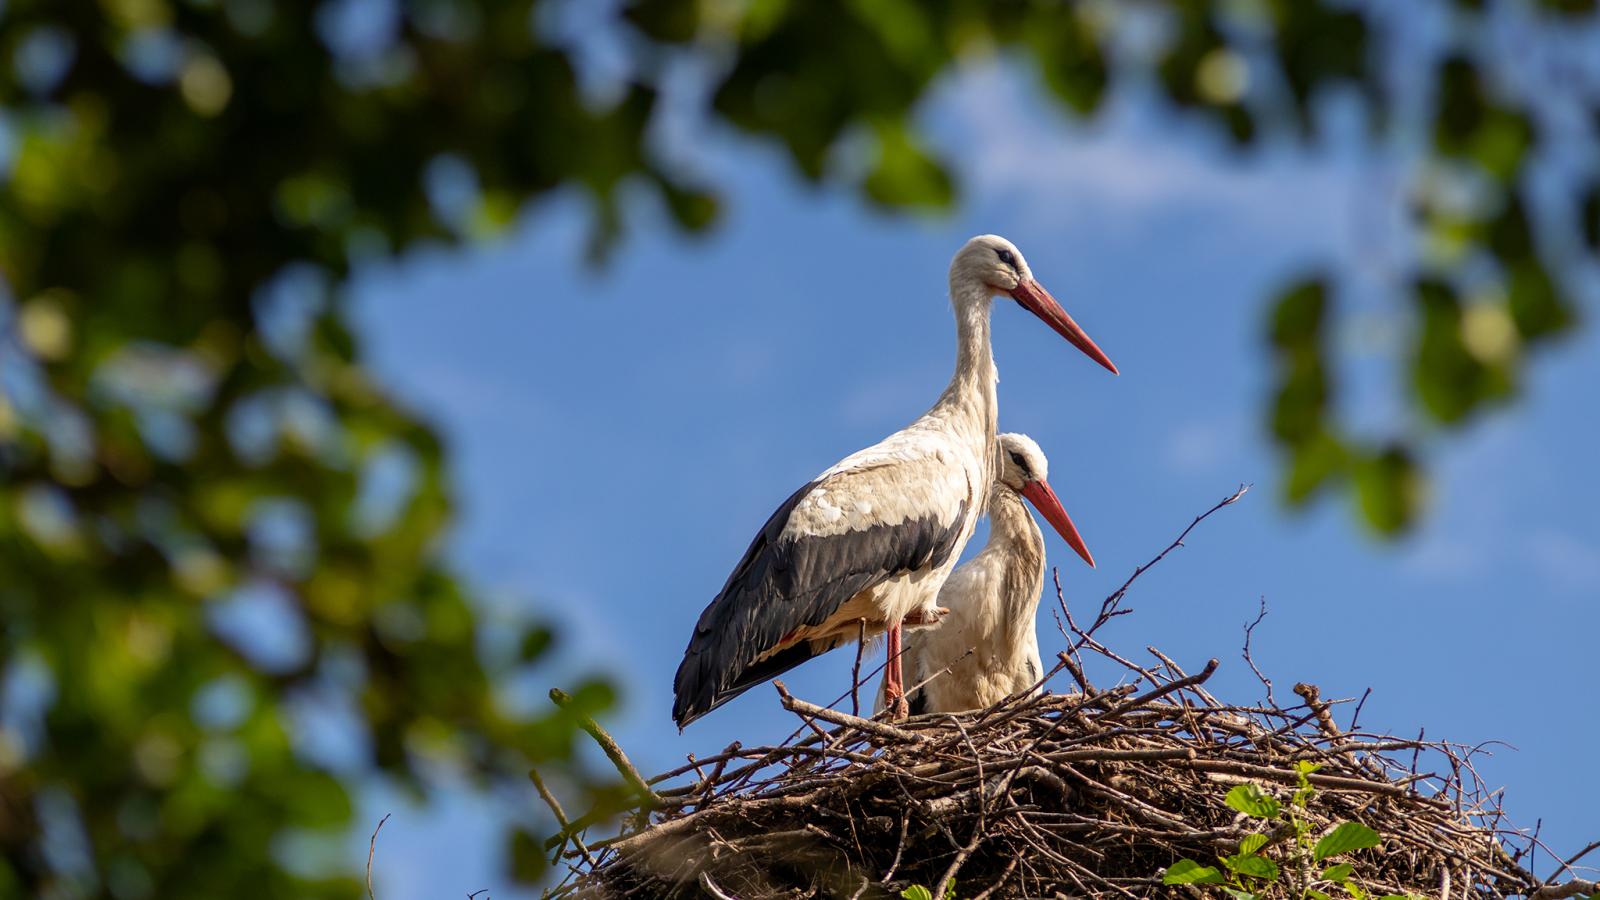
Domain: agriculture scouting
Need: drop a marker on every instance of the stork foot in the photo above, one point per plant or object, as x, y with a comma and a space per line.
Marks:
900, 709
925, 617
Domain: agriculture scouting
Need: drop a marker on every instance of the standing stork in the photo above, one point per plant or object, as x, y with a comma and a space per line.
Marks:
987, 649
869, 542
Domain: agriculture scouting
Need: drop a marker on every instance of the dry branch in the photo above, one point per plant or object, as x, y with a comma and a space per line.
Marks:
1088, 793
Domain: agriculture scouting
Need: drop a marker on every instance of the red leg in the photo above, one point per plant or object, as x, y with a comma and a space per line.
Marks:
894, 677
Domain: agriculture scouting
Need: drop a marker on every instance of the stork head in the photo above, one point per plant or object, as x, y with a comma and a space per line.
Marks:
990, 265
1024, 469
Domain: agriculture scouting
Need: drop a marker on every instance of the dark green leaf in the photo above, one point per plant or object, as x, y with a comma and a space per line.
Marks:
535, 642
1340, 872
669, 21
1537, 307
904, 175
1298, 313
1589, 216
528, 862
1390, 489
1450, 380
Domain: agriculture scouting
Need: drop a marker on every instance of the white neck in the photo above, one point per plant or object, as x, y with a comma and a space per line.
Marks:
968, 403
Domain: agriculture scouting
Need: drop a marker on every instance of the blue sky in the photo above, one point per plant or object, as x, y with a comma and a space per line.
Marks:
618, 435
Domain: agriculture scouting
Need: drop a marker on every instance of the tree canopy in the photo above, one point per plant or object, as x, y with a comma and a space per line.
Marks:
210, 514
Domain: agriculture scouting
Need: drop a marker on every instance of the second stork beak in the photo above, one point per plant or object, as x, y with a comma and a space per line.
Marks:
1044, 500
1033, 297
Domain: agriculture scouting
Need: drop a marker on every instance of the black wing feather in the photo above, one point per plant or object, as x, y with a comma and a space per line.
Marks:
783, 584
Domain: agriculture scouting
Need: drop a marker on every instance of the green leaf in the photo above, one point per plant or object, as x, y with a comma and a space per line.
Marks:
1339, 873
1254, 866
1240, 895
1537, 305
1450, 380
1252, 801
1354, 890
1298, 313
1589, 216
1316, 894
1252, 843
905, 175
1390, 489
917, 892
1348, 836
1396, 897
528, 863
1306, 766
1187, 871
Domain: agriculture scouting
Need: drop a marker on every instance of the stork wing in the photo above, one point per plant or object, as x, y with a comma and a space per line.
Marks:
850, 530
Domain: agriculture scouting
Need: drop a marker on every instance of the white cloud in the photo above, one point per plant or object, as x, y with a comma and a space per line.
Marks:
1127, 164
1563, 559
1201, 445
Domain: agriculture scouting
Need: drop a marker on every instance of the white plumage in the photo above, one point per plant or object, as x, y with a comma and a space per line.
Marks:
871, 540
987, 648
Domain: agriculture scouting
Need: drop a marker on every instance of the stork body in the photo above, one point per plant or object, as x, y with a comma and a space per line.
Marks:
870, 541
987, 648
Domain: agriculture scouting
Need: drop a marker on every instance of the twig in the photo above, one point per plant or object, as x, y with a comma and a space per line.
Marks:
1356, 716
855, 670
1249, 631
1567, 865
561, 819
711, 887
611, 748
1577, 887
1108, 606
878, 729
372, 850
1159, 692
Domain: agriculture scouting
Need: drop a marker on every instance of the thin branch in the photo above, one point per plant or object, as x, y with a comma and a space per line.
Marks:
1567, 865
855, 670
372, 850
1108, 608
612, 749
1249, 631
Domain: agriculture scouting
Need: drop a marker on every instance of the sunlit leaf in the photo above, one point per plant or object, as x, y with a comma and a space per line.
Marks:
1251, 800
1346, 837
904, 175
1187, 871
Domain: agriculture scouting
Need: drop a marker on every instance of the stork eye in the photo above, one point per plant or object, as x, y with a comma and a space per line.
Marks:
1017, 458
1007, 258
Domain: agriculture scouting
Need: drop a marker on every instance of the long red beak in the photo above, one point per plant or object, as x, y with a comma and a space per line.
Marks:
1045, 501
1033, 297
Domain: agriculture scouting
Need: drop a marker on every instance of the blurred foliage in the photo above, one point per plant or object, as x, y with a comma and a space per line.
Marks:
213, 524
223, 609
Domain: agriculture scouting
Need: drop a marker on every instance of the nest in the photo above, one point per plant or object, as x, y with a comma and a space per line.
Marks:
1087, 793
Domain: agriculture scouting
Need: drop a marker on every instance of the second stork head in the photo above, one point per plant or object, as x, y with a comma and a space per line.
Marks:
1024, 469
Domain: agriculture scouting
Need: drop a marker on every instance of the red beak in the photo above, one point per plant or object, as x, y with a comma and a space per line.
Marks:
1045, 501
1034, 298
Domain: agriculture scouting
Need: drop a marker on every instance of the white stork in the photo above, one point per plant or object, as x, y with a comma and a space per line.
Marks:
869, 542
988, 643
